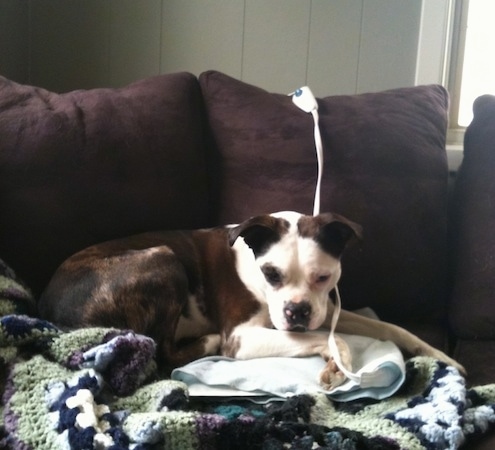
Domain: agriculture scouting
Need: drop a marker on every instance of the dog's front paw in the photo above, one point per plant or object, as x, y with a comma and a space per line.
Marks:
331, 376
438, 354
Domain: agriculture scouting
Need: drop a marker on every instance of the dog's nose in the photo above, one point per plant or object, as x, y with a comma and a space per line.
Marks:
297, 314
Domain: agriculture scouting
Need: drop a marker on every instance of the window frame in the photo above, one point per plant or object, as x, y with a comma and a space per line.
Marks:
453, 76
439, 60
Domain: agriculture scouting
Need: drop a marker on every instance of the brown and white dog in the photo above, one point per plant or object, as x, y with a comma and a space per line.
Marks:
255, 289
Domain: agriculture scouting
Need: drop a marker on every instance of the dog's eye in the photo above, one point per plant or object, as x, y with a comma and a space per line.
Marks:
272, 275
322, 278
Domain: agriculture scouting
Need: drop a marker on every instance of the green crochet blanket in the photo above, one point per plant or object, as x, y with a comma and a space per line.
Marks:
97, 389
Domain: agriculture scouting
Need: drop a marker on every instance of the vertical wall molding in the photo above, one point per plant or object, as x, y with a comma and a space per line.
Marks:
434, 41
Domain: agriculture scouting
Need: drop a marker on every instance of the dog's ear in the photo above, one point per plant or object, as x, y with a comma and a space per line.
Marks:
332, 231
336, 232
259, 232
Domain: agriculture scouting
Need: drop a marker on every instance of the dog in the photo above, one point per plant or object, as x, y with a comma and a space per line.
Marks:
260, 288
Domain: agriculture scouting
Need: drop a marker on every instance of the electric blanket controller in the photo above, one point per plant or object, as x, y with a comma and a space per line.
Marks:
304, 99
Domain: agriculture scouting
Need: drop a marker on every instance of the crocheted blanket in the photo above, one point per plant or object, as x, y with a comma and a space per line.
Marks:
97, 389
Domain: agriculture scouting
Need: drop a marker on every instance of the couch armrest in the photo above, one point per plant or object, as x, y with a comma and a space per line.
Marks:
472, 312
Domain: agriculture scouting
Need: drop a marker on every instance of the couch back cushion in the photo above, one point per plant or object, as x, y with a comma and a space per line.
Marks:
473, 312
385, 168
86, 166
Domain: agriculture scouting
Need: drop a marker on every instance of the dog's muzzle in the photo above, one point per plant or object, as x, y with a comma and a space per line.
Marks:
297, 315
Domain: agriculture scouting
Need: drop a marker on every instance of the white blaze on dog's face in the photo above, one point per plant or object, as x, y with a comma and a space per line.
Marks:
291, 262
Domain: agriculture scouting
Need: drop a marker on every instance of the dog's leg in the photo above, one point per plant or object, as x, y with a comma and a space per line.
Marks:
352, 323
182, 353
247, 342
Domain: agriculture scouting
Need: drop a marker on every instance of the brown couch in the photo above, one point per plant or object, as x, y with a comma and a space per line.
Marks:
175, 151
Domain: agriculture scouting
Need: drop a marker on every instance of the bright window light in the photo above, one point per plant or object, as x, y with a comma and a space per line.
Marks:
478, 70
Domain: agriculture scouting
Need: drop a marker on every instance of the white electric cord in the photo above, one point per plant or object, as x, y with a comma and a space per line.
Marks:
304, 99
319, 157
332, 344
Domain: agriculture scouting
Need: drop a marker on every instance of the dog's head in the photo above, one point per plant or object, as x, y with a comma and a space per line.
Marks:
291, 262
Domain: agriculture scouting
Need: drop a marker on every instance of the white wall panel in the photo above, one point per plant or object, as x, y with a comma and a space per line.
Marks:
335, 46
276, 39
199, 35
135, 34
333, 58
14, 39
70, 43
389, 43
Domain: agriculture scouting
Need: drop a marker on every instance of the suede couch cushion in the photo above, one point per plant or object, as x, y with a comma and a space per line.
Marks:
385, 168
86, 166
472, 313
